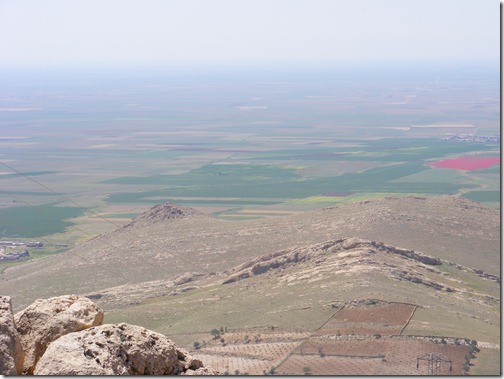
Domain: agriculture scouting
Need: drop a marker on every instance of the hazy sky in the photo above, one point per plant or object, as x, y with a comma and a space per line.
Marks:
159, 32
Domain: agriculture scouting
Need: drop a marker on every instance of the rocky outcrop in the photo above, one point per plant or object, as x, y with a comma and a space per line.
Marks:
11, 353
45, 321
117, 349
281, 259
183, 279
486, 275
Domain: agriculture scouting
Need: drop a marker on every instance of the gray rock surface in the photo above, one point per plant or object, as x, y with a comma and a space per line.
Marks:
117, 349
11, 353
46, 320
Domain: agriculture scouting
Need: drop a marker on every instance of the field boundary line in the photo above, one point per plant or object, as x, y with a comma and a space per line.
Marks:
305, 340
409, 319
329, 319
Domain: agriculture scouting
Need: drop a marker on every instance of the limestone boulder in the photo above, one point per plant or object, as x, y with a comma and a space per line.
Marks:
46, 320
117, 349
11, 353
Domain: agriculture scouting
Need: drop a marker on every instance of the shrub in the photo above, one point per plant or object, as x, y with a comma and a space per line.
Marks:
215, 333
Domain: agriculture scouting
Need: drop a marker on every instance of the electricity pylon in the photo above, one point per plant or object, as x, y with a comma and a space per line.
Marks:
434, 363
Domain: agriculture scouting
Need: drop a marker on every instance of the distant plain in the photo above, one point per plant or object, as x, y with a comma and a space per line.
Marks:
88, 150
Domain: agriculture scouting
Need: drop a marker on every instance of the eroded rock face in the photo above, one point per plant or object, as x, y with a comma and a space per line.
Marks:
117, 349
11, 353
46, 320
282, 259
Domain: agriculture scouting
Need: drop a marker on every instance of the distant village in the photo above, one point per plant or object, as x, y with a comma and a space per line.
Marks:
472, 138
19, 254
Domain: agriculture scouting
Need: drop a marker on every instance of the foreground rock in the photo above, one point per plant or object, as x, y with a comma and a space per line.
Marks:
46, 320
117, 349
11, 353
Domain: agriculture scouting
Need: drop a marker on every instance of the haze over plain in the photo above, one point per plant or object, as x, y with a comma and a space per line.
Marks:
260, 114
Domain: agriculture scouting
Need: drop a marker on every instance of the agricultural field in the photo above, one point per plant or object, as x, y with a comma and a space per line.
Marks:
385, 319
238, 146
467, 163
367, 356
252, 358
370, 350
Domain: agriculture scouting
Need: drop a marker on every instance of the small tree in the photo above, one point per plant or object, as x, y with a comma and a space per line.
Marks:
222, 330
196, 345
215, 333
222, 341
307, 370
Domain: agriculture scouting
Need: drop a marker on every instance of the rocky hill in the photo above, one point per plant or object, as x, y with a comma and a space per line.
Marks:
160, 213
169, 240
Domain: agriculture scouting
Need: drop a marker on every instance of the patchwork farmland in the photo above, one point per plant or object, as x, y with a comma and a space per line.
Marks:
361, 338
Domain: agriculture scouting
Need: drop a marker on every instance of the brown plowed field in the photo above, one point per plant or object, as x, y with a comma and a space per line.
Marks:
386, 319
353, 328
370, 357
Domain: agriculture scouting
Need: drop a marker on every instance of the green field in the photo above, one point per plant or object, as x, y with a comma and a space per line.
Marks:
483, 196
233, 142
36, 221
256, 181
